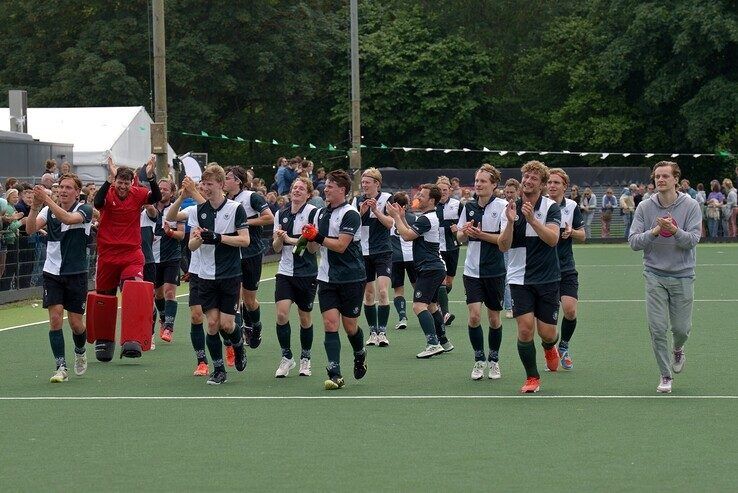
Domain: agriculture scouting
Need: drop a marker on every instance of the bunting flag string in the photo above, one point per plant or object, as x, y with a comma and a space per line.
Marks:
485, 149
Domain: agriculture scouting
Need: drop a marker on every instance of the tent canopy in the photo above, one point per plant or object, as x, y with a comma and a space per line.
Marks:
122, 131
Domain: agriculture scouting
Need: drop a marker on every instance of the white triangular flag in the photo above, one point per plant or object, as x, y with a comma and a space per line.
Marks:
675, 155
566, 152
520, 153
604, 155
446, 151
407, 149
696, 155
626, 154
465, 149
543, 153
428, 149
502, 153
649, 155
584, 154
484, 149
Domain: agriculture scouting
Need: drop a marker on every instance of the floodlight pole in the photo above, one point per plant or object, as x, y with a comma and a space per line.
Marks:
159, 127
355, 152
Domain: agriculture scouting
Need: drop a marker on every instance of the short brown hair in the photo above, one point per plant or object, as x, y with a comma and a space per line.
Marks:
240, 174
675, 169
433, 191
494, 174
124, 173
213, 171
561, 173
536, 167
74, 178
340, 178
400, 198
512, 182
172, 186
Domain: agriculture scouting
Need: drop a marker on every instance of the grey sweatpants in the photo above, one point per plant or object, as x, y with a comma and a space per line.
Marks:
668, 304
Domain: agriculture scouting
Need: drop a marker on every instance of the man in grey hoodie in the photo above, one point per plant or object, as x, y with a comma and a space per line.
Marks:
667, 228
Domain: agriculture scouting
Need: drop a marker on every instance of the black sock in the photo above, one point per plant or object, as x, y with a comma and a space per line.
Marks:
401, 307
383, 312
197, 336
440, 327
494, 337
448, 288
56, 338
160, 307
170, 313
306, 341
549, 345
428, 326
527, 353
226, 338
333, 352
476, 337
283, 336
255, 316
216, 351
79, 342
567, 330
370, 311
443, 298
236, 337
357, 340
245, 316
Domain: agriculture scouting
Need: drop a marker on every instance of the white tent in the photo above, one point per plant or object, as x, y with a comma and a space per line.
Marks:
124, 132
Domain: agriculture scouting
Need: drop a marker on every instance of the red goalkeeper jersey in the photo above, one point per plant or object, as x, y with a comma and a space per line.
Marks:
119, 232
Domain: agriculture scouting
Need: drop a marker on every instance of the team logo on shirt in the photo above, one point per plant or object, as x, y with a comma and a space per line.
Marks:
538, 214
227, 215
555, 315
203, 215
418, 294
356, 310
284, 220
494, 214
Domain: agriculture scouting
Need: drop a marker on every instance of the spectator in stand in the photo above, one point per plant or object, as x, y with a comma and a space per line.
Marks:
649, 191
65, 168
282, 201
730, 209
637, 194
316, 200
609, 202
574, 195
271, 199
627, 207
466, 196
9, 225
701, 199
714, 205
50, 168
588, 206
455, 188
319, 181
688, 189
286, 174
10, 183
25, 198
47, 180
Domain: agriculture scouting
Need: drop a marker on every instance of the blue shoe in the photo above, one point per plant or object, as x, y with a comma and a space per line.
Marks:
566, 361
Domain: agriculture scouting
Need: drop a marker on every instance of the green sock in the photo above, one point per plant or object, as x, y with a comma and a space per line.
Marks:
443, 298
79, 342
170, 313
383, 312
283, 336
494, 337
357, 341
476, 337
429, 327
306, 341
160, 307
197, 336
56, 338
401, 307
527, 353
549, 345
216, 351
370, 311
333, 352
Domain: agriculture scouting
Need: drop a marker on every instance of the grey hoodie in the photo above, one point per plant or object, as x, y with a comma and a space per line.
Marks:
673, 256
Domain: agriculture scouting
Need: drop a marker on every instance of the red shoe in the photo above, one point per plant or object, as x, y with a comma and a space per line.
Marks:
201, 370
531, 385
230, 356
552, 358
161, 330
166, 336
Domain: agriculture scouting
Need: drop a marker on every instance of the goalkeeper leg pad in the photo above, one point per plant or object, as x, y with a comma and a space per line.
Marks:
137, 309
101, 318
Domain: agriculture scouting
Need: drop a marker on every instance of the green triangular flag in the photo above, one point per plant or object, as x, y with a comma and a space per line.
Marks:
295, 145
382, 146
331, 147
204, 133
724, 154
312, 146
275, 142
239, 139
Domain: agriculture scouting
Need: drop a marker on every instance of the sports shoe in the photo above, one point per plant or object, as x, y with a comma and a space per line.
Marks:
246, 331
166, 336
255, 339
552, 358
664, 386
373, 339
131, 349
477, 372
285, 365
382, 340
217, 378
508, 314
161, 329
201, 370
334, 383
230, 356
447, 346
566, 361
153, 343
360, 365
80, 363
679, 359
531, 385
402, 324
430, 350
448, 319
305, 370
494, 370
60, 375
240, 356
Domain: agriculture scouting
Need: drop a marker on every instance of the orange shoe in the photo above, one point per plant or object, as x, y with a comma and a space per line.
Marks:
161, 330
230, 356
201, 370
166, 336
552, 358
531, 385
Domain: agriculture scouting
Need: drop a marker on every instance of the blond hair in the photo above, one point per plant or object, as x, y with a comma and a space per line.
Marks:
373, 173
213, 171
494, 174
443, 180
561, 173
536, 167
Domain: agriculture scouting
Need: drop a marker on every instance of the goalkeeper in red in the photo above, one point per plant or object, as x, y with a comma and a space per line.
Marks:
120, 257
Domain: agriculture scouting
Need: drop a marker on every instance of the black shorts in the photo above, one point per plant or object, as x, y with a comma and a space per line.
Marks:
299, 290
569, 285
398, 273
426, 286
347, 298
541, 299
222, 294
251, 272
451, 259
487, 290
70, 291
167, 273
150, 272
378, 265
194, 290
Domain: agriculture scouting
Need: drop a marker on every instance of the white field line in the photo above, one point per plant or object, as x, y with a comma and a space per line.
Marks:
369, 397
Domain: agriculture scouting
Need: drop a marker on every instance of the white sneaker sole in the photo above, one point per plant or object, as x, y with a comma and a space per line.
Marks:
426, 355
278, 375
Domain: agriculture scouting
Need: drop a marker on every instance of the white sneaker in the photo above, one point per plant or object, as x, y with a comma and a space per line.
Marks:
508, 314
679, 358
382, 340
305, 370
664, 385
60, 375
373, 339
285, 365
447, 347
80, 363
430, 350
494, 370
477, 372
153, 345
402, 324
